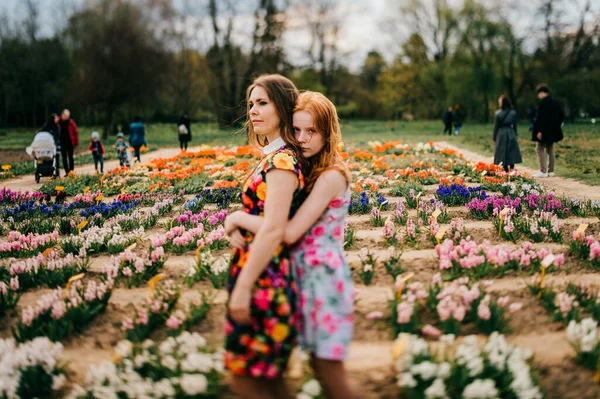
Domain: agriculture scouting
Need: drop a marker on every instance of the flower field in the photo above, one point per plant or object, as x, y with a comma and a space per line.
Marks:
469, 282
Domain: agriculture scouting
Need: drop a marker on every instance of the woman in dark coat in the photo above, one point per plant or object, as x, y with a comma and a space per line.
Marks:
185, 135
507, 151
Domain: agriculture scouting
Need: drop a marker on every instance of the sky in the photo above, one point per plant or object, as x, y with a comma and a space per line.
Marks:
364, 25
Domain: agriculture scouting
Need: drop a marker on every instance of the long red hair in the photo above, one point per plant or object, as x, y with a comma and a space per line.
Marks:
327, 124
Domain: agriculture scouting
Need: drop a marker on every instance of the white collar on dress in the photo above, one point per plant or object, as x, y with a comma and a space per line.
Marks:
275, 145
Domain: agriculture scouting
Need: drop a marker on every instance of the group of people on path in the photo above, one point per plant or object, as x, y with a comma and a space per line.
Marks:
66, 139
546, 130
289, 281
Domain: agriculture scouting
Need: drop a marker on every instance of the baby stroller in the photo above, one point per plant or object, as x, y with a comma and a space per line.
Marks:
43, 151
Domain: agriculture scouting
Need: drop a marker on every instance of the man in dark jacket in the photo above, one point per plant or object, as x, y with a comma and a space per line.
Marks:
447, 119
547, 130
69, 140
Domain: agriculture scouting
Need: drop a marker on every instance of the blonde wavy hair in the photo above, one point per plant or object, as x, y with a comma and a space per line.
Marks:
327, 124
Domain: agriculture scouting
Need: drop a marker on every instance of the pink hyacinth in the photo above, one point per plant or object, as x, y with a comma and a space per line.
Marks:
376, 315
142, 316
515, 307
58, 310
176, 320
127, 325
404, 311
503, 301
459, 313
483, 311
27, 316
594, 250
14, 283
431, 331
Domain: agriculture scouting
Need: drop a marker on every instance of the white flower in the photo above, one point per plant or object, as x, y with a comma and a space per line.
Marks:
193, 384
197, 361
164, 389
583, 336
58, 381
426, 369
123, 348
140, 360
312, 388
475, 366
437, 390
444, 370
303, 395
481, 389
406, 380
169, 362
448, 339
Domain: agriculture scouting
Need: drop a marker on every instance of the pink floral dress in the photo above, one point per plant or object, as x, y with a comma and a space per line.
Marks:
324, 283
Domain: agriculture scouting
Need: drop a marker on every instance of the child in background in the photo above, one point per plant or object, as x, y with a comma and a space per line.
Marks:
322, 274
121, 146
97, 150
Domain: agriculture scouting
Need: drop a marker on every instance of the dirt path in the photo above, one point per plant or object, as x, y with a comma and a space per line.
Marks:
560, 185
27, 182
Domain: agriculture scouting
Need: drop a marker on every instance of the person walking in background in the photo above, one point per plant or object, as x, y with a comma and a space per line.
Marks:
447, 119
547, 130
51, 126
121, 147
69, 140
458, 118
97, 150
531, 111
507, 151
137, 136
185, 131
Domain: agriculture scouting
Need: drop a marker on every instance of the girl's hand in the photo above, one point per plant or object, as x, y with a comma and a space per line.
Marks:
231, 223
236, 239
239, 304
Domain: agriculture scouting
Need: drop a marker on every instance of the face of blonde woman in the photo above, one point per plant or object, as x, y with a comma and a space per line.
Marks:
263, 114
306, 134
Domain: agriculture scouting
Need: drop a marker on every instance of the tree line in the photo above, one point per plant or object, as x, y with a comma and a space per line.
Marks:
113, 59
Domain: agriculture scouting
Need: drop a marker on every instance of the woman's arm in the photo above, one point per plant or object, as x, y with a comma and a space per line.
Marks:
496, 127
329, 185
282, 185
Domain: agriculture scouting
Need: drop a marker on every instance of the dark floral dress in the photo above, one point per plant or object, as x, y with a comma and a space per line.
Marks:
263, 347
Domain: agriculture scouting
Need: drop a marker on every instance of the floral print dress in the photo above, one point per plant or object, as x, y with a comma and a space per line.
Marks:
263, 347
324, 282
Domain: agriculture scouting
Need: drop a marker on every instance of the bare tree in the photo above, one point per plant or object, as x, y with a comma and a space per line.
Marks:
232, 67
434, 20
323, 19
32, 20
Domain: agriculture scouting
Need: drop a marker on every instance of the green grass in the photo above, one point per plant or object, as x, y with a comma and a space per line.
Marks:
578, 155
